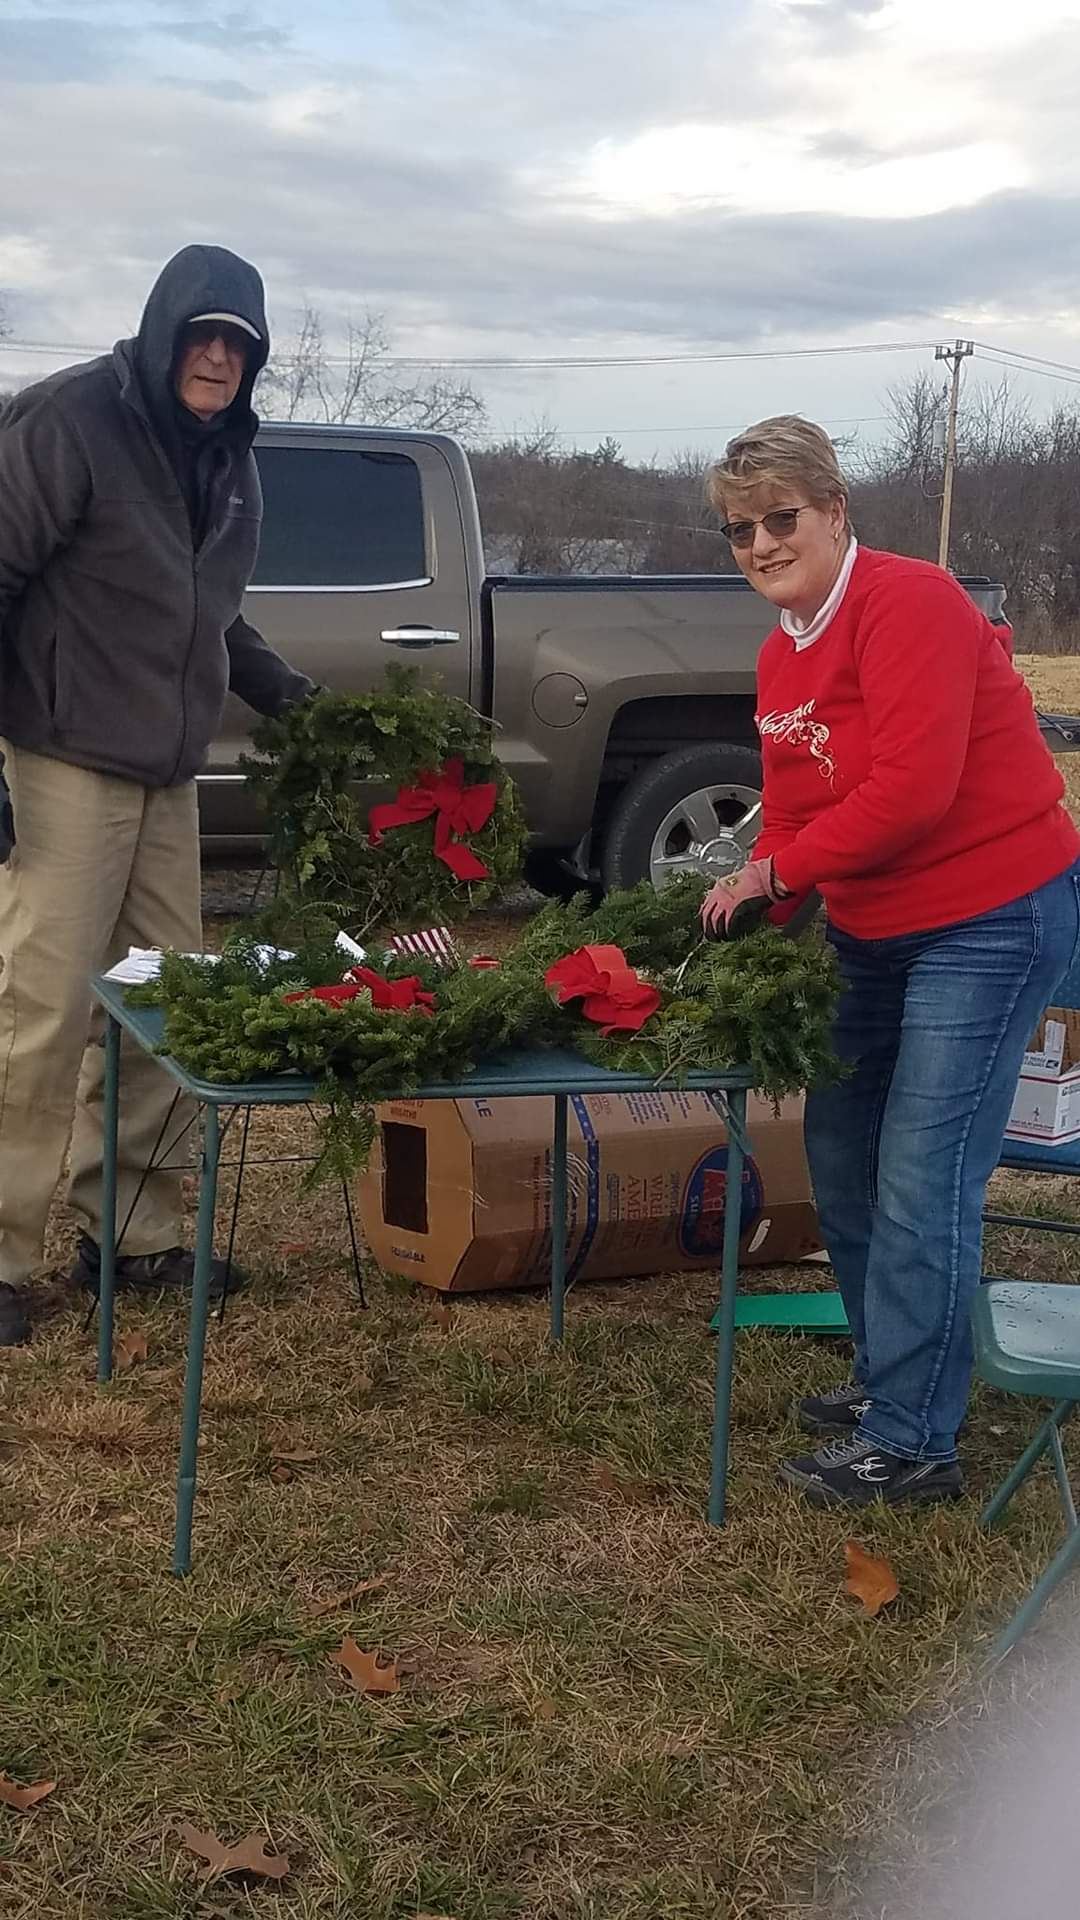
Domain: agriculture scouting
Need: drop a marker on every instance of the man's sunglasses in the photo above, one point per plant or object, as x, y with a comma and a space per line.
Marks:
200, 333
781, 523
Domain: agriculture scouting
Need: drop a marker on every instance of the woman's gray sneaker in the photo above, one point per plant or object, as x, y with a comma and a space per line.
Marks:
837, 1412
856, 1473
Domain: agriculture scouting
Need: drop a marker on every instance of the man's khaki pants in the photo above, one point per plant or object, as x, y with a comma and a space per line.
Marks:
100, 864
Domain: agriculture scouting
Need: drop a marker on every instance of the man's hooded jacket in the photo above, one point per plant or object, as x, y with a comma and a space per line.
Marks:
128, 533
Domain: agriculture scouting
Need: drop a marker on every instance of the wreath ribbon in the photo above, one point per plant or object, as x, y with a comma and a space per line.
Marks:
458, 810
611, 993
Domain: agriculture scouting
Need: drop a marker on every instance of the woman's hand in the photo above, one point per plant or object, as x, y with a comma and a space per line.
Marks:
757, 881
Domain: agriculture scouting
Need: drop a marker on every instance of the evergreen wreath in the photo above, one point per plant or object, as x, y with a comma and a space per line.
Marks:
316, 766
765, 1003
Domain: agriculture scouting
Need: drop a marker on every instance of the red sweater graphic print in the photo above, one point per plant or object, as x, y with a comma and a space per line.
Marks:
905, 774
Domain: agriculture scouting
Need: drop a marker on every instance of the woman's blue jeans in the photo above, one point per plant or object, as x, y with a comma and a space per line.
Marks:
934, 1026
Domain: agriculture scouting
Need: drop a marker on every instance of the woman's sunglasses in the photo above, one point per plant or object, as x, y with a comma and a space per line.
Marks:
781, 523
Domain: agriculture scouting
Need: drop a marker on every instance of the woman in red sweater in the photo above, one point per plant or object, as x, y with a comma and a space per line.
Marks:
906, 779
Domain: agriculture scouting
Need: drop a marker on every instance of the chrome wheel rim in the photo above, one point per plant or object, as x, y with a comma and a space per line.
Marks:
709, 833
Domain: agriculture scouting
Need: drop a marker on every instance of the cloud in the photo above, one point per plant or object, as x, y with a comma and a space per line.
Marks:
227, 91
432, 169
462, 248
827, 16
54, 48
235, 33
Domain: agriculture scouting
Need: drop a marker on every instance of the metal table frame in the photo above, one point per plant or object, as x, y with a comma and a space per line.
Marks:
557, 1074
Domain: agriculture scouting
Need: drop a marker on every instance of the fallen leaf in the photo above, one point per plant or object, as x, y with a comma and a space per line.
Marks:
247, 1856
443, 1316
345, 1599
282, 1475
501, 1357
545, 1710
130, 1349
870, 1580
363, 1671
23, 1798
289, 1248
632, 1491
295, 1456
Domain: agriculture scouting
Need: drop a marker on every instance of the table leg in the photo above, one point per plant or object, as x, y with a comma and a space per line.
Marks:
558, 1219
111, 1124
200, 1307
725, 1331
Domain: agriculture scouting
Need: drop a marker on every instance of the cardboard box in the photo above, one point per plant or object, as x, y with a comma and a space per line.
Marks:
1046, 1110
1054, 1052
1046, 1107
458, 1192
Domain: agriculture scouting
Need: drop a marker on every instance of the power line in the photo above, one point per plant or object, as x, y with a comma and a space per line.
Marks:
570, 362
1062, 366
563, 362
619, 433
1010, 366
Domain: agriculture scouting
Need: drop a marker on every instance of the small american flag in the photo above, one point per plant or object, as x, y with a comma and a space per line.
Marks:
432, 943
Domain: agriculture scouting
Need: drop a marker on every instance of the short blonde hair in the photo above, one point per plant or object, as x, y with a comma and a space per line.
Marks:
784, 451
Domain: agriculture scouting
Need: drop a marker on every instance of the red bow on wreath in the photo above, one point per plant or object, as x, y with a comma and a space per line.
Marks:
391, 996
609, 989
458, 809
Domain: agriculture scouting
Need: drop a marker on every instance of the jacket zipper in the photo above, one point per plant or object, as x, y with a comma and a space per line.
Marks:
187, 663
212, 530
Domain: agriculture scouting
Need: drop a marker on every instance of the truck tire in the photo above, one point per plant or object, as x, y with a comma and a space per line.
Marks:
696, 810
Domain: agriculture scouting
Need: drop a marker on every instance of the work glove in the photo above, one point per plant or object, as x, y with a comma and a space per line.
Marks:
738, 904
7, 818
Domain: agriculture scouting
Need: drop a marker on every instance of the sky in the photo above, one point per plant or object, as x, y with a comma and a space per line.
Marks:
606, 179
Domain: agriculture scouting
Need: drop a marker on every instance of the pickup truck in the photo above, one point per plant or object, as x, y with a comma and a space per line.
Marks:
623, 707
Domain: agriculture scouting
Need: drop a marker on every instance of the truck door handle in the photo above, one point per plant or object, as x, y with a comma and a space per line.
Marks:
419, 636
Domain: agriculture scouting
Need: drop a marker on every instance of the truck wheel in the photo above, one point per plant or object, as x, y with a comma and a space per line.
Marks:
697, 810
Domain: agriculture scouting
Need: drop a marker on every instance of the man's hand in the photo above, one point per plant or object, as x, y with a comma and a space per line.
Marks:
7, 819
757, 881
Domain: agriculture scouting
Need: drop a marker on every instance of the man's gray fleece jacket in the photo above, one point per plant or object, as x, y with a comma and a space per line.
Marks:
119, 638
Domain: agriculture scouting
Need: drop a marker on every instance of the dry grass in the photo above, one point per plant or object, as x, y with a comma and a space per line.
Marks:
608, 1711
1055, 685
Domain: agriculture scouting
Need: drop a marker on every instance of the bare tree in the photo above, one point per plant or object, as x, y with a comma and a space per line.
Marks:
310, 382
1016, 507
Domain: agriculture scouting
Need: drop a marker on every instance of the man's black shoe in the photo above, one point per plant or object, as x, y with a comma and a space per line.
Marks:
167, 1272
14, 1323
856, 1473
836, 1412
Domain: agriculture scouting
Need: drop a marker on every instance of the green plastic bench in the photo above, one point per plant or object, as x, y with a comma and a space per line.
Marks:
1027, 1340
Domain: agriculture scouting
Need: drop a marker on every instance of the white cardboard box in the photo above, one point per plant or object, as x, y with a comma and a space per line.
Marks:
1046, 1109
1048, 1058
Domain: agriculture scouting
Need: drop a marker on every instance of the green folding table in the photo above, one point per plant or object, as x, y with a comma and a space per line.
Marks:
558, 1074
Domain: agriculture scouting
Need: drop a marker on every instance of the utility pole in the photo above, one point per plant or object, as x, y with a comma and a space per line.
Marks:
954, 357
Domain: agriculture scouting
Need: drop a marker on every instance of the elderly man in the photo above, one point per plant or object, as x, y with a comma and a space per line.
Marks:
129, 523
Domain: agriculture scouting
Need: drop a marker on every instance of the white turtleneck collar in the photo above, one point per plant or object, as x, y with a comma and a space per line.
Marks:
805, 633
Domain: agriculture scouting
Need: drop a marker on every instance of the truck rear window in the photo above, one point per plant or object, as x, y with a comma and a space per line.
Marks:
335, 517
